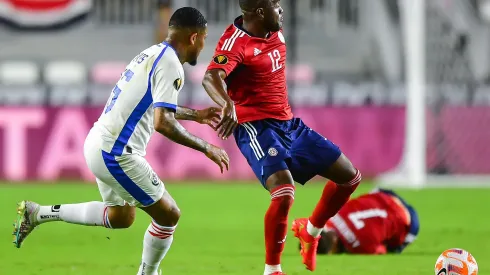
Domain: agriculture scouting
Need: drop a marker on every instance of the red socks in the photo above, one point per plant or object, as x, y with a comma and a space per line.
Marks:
276, 222
334, 196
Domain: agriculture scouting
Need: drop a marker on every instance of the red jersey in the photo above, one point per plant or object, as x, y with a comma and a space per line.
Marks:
256, 73
374, 223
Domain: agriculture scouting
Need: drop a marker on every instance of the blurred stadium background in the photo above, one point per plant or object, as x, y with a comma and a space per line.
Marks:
348, 70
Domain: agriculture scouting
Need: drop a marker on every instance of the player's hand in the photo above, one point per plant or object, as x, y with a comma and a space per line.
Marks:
219, 156
209, 116
229, 121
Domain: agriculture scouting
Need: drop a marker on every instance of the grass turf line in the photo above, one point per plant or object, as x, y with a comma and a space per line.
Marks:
221, 232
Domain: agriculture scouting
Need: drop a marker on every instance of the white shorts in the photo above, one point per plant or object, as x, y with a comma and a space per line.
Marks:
122, 179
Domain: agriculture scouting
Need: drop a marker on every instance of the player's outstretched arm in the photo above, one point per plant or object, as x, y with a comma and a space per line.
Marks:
209, 116
166, 124
215, 86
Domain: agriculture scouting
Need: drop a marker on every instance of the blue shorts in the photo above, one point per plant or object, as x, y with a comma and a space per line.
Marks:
272, 145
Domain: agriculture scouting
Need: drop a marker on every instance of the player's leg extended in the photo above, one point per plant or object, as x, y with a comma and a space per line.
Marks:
281, 187
95, 213
312, 154
265, 146
133, 179
344, 179
159, 235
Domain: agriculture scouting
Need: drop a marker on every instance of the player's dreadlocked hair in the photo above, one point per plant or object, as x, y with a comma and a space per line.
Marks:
187, 17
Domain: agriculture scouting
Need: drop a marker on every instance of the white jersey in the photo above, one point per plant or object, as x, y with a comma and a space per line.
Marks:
152, 79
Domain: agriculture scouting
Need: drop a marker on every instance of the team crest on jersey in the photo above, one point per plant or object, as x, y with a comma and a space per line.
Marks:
272, 152
178, 83
154, 179
220, 59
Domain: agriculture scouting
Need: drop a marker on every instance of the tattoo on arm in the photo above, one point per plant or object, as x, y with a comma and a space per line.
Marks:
167, 125
184, 113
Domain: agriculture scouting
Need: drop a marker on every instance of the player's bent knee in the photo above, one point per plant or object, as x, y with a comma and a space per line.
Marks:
121, 216
355, 178
342, 171
174, 215
279, 179
165, 212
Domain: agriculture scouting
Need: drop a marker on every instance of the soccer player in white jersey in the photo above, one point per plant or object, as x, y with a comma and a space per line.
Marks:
143, 101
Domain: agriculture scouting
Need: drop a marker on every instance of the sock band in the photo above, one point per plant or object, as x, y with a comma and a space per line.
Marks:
283, 190
105, 220
161, 232
355, 180
276, 223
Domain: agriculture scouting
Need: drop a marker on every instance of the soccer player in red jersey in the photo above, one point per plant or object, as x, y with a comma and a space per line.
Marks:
247, 78
376, 223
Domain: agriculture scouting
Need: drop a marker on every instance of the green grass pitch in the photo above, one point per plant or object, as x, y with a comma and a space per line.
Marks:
221, 232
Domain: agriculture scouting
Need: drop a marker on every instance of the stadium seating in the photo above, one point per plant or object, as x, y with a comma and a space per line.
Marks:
65, 73
19, 73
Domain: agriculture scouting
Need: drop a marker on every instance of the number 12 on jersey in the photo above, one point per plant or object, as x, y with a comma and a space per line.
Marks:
275, 56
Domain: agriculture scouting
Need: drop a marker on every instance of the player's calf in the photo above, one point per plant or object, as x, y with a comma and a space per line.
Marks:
31, 215
344, 179
281, 188
92, 213
159, 234
121, 216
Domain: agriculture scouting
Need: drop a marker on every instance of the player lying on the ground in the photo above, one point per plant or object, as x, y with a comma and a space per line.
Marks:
376, 223
247, 77
143, 101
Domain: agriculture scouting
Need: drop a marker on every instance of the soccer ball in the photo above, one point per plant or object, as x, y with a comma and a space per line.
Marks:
456, 261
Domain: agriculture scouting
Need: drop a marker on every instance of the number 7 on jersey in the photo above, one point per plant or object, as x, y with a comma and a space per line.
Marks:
127, 75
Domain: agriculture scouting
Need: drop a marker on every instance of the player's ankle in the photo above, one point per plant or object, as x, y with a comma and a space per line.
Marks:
313, 230
269, 269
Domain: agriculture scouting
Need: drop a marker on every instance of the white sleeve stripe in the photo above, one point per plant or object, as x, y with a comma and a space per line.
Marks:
239, 34
227, 41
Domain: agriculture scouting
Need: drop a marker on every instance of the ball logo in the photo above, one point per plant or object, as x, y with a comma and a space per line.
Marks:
272, 152
221, 59
442, 272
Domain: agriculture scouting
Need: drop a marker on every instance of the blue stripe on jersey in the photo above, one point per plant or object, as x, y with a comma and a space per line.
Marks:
170, 46
171, 106
137, 113
128, 184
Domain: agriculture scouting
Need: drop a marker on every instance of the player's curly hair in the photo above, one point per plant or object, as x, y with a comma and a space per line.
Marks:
187, 17
251, 5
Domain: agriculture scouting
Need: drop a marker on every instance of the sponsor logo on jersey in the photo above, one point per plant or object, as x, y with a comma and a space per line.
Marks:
272, 152
257, 52
178, 83
220, 59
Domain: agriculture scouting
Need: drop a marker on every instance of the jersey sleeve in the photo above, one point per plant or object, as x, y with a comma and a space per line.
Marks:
230, 51
166, 83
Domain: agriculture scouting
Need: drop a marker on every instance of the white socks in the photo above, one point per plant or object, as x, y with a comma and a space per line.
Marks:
312, 230
156, 244
269, 269
88, 213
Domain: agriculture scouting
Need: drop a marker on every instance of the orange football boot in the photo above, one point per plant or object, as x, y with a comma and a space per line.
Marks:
309, 244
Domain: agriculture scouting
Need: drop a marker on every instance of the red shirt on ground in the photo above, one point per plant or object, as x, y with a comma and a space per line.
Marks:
371, 223
256, 73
